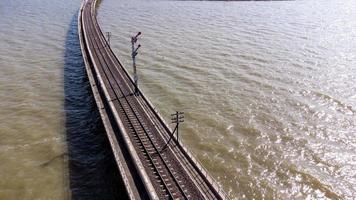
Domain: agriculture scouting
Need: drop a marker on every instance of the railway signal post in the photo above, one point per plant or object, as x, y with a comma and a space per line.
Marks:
133, 55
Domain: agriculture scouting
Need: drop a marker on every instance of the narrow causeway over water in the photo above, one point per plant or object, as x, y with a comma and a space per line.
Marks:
267, 89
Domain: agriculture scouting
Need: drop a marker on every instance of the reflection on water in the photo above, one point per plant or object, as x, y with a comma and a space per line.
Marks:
92, 170
268, 88
52, 143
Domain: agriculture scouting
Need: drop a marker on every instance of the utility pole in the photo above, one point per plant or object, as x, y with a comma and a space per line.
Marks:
108, 36
133, 55
177, 117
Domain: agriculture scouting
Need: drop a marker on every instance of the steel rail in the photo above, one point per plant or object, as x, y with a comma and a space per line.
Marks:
130, 188
201, 178
147, 135
201, 183
131, 108
138, 165
126, 112
205, 190
136, 113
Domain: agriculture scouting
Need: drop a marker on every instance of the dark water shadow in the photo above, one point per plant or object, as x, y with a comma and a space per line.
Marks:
92, 170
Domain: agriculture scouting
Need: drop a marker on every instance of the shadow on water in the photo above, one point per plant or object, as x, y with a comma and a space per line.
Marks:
92, 169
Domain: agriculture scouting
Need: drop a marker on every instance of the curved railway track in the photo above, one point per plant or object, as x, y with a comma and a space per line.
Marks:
170, 174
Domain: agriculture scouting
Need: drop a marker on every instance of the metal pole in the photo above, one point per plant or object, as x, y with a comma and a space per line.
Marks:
177, 121
134, 62
108, 34
134, 52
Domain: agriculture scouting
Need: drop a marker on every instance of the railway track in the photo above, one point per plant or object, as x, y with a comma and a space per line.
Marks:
169, 174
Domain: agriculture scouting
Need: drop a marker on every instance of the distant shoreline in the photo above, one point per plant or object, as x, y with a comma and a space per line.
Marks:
235, 0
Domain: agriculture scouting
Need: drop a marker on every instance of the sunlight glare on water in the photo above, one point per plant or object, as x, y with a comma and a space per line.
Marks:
268, 88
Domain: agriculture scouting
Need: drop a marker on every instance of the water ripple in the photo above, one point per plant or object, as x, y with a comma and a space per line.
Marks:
268, 88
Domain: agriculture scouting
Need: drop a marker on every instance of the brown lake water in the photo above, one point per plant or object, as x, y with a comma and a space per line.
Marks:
268, 90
